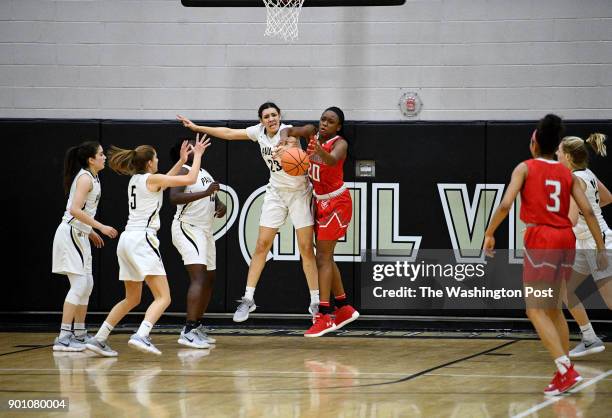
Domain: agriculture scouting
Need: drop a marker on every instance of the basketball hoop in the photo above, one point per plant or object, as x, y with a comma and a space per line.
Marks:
282, 18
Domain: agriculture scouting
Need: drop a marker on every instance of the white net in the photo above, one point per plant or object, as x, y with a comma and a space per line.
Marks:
282, 18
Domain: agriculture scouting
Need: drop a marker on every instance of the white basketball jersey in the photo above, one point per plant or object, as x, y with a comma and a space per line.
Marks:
144, 205
91, 202
202, 211
581, 230
278, 178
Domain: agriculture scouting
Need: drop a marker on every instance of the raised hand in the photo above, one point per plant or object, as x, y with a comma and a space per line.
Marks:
186, 122
314, 147
201, 145
186, 149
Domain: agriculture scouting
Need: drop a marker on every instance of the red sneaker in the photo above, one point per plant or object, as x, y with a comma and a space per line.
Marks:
345, 315
322, 325
563, 382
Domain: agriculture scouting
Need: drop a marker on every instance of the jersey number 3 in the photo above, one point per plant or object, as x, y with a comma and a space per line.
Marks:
133, 198
554, 195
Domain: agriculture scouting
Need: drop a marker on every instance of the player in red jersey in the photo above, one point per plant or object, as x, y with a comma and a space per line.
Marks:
545, 186
327, 150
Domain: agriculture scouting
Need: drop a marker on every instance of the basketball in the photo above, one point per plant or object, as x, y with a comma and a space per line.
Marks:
295, 161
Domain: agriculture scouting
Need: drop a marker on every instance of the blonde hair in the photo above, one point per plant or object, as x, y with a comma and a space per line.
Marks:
576, 148
130, 161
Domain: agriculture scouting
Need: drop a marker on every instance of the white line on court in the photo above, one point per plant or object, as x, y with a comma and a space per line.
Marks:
558, 398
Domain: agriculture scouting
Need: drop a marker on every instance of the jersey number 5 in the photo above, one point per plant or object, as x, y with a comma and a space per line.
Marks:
554, 195
133, 198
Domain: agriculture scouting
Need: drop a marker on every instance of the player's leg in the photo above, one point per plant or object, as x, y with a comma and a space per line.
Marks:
99, 344
258, 262
79, 328
198, 296
325, 259
305, 236
344, 313
161, 300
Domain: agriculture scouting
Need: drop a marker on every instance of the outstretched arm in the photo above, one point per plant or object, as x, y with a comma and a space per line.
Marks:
330, 158
216, 131
516, 183
305, 131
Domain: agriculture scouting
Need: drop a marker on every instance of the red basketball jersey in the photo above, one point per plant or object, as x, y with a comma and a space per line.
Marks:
545, 197
326, 178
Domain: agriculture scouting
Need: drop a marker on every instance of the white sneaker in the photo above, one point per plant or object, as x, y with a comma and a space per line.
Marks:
68, 343
202, 331
192, 339
244, 309
100, 347
587, 347
143, 344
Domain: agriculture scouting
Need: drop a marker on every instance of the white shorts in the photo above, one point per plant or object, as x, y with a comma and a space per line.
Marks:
139, 256
71, 251
585, 262
278, 204
196, 245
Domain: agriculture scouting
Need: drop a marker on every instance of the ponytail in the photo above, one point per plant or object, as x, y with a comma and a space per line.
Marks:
130, 161
596, 141
77, 158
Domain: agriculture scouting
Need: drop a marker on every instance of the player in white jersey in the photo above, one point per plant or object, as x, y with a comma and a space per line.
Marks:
285, 196
573, 153
192, 235
71, 248
138, 248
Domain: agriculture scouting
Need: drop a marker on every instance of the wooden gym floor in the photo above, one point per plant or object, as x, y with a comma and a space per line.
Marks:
291, 376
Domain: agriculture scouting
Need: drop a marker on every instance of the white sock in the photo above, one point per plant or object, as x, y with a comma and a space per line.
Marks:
314, 297
145, 329
104, 331
588, 333
79, 329
65, 329
249, 293
563, 363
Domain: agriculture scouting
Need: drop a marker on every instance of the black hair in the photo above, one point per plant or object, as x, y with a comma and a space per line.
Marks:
340, 114
77, 158
267, 105
549, 133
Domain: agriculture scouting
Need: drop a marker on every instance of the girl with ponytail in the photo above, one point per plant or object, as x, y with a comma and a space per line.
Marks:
573, 152
138, 248
71, 248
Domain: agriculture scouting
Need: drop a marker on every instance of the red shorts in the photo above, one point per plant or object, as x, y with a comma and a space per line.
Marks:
549, 253
333, 217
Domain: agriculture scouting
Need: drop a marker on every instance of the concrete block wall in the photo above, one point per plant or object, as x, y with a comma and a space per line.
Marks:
150, 59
